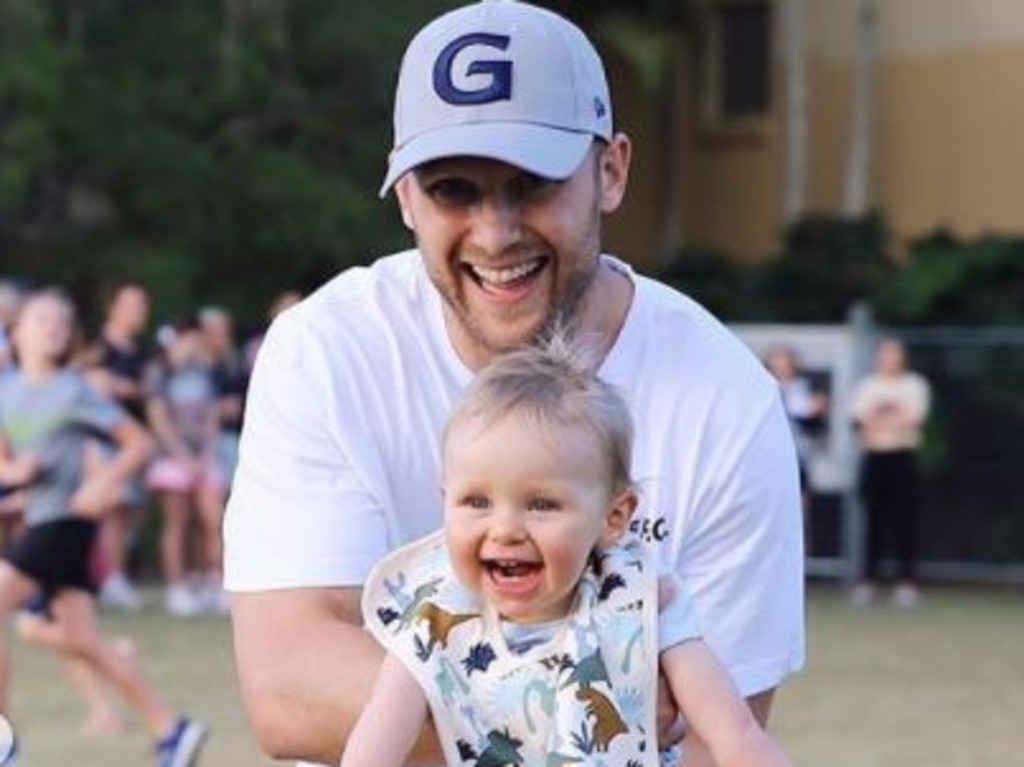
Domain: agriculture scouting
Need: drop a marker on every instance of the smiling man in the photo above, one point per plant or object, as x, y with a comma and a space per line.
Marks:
505, 163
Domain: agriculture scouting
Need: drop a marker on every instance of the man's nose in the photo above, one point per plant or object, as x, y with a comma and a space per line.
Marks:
497, 224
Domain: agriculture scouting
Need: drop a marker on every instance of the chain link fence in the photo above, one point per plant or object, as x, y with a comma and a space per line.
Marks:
972, 517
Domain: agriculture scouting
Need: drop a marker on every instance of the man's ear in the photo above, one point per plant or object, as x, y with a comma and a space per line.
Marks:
617, 520
402, 192
614, 163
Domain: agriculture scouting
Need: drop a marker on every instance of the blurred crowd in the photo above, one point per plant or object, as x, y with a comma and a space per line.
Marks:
888, 411
186, 384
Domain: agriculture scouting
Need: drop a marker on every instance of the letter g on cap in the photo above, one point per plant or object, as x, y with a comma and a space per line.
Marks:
498, 89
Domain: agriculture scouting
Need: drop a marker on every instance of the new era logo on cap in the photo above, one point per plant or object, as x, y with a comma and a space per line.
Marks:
503, 80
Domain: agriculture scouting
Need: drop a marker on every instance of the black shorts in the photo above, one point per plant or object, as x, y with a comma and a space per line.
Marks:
57, 555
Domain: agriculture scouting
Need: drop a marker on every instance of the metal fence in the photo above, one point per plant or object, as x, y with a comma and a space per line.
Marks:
972, 520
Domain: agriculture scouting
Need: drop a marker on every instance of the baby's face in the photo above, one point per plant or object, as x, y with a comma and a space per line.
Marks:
524, 508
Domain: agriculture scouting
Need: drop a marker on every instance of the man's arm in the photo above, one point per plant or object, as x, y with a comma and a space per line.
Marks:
306, 669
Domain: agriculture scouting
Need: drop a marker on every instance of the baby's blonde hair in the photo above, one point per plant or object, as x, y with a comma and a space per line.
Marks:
553, 382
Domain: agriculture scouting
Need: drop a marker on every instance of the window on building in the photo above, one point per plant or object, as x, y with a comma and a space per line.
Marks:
741, 60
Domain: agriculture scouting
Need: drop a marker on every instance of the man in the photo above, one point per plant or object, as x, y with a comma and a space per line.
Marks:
504, 163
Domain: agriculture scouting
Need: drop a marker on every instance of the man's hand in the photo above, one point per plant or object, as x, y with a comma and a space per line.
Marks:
671, 727
306, 669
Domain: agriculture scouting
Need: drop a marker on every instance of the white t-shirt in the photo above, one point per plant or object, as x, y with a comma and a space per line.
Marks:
908, 393
340, 453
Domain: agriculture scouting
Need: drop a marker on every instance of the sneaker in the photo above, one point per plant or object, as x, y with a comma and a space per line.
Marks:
181, 602
214, 600
118, 593
181, 747
8, 743
862, 595
11, 757
906, 595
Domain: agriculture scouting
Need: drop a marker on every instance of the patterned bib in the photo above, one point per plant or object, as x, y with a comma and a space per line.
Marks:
584, 695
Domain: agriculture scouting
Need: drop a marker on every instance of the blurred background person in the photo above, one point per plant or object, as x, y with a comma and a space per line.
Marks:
231, 375
806, 406
49, 418
11, 298
116, 363
890, 407
185, 417
282, 301
12, 295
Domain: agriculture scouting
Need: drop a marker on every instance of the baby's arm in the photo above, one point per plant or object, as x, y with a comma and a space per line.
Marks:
392, 721
714, 709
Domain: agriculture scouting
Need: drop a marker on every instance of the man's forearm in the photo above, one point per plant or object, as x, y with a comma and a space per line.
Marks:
305, 677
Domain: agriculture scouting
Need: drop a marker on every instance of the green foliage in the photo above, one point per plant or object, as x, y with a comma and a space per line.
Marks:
217, 151
826, 265
952, 282
829, 263
719, 283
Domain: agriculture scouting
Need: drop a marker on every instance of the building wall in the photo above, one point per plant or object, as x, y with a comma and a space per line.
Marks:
948, 118
948, 134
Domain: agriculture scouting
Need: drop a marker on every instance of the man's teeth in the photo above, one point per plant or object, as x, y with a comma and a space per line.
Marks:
506, 275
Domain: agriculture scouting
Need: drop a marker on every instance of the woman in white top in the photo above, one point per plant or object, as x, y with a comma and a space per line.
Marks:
890, 407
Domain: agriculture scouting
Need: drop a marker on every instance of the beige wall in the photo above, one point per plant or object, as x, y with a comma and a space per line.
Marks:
948, 142
951, 142
949, 120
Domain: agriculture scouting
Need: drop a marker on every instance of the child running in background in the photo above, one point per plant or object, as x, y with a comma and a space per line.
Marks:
49, 416
529, 625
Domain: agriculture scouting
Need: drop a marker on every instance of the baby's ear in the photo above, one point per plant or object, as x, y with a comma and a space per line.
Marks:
619, 513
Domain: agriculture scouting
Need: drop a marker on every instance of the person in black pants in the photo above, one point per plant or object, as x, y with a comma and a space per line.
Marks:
890, 407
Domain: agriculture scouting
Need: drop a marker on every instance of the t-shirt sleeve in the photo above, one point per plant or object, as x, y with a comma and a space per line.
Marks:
300, 512
743, 559
677, 620
95, 411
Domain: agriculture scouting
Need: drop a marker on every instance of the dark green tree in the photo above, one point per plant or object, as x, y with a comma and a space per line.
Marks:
217, 152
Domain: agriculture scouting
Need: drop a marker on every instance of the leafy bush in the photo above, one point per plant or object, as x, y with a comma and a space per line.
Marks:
828, 263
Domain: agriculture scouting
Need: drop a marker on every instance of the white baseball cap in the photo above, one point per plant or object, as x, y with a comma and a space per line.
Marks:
503, 80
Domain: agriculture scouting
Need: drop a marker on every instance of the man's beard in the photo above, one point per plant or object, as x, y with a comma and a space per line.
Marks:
564, 315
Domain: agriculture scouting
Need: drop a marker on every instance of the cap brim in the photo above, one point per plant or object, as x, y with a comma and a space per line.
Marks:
549, 152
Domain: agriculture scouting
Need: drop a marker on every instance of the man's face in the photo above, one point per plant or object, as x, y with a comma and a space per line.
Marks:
509, 251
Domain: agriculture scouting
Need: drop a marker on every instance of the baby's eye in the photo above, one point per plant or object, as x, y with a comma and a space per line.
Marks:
476, 502
542, 504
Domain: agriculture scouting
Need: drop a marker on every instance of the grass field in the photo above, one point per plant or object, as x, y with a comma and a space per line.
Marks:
884, 687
